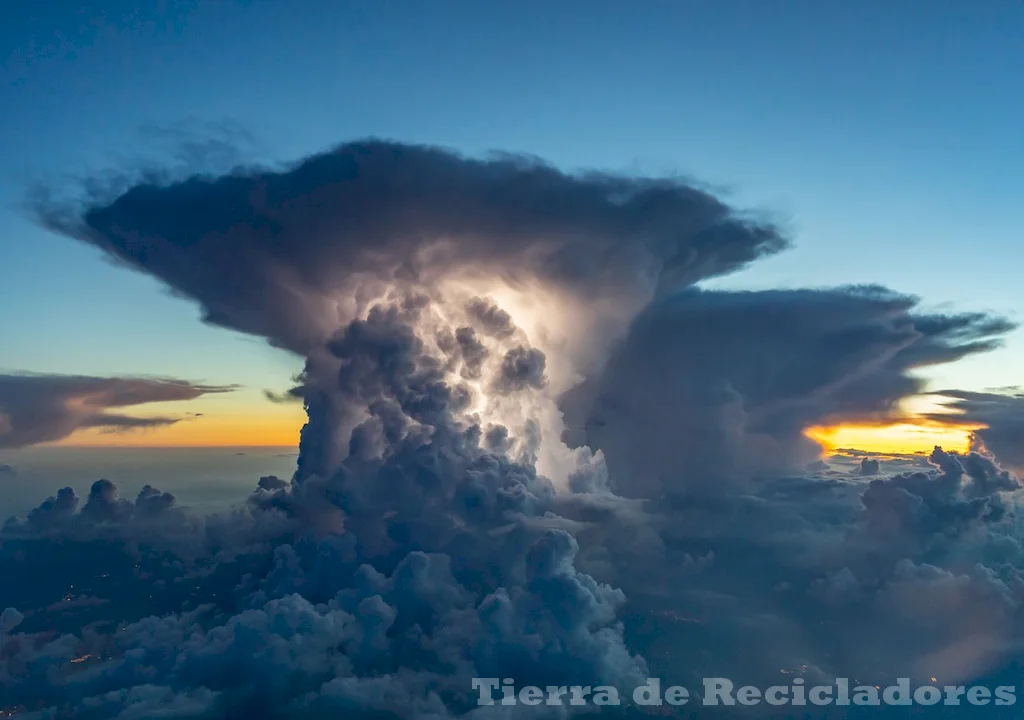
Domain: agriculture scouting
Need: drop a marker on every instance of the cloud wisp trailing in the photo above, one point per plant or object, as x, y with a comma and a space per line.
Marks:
534, 450
36, 408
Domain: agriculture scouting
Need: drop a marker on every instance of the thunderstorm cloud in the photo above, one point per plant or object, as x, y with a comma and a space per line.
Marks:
536, 448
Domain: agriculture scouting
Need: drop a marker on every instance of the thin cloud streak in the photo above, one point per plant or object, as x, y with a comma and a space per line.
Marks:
37, 408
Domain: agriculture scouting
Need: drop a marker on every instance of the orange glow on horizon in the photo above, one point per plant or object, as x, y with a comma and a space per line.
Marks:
909, 436
275, 426
253, 422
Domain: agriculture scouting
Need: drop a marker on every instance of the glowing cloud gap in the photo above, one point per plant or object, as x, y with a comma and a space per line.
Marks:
915, 436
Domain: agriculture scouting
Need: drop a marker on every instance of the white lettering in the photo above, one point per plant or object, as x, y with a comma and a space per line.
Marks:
798, 692
555, 693
898, 694
485, 686
578, 695
509, 692
606, 695
865, 695
927, 695
978, 695
844, 691
820, 694
531, 695
776, 695
677, 695
748, 695
716, 689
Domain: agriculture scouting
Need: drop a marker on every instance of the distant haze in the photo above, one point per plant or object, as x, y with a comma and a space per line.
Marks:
205, 479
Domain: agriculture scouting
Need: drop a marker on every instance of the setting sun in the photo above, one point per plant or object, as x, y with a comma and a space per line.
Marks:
906, 437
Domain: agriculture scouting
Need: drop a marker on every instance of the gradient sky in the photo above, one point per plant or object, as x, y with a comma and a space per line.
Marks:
887, 135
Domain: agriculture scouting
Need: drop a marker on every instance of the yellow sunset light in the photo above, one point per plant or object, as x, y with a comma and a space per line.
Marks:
265, 425
907, 437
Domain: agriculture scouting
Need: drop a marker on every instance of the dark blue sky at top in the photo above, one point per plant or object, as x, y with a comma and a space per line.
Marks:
886, 134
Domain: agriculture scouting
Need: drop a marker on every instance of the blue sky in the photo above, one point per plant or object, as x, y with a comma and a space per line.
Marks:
886, 134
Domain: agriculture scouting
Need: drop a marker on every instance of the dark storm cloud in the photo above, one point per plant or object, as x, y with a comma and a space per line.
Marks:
521, 368
42, 408
427, 558
473, 351
354, 622
493, 320
418, 545
916, 575
272, 252
712, 385
923, 508
869, 466
65, 512
1001, 412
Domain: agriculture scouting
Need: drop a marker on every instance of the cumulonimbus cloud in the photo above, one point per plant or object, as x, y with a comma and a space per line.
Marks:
36, 408
446, 306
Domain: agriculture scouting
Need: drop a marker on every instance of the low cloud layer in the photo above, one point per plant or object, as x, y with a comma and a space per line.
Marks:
533, 450
43, 408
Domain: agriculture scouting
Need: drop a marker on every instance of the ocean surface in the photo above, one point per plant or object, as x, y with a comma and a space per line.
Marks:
205, 479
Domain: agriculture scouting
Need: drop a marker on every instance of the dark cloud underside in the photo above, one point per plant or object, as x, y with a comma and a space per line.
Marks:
268, 252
